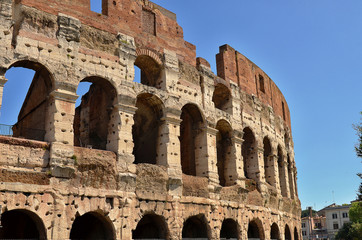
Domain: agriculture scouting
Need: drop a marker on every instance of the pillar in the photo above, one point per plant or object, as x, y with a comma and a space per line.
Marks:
235, 166
207, 155
3, 80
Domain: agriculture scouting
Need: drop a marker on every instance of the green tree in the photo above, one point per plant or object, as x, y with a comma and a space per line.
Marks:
355, 212
358, 149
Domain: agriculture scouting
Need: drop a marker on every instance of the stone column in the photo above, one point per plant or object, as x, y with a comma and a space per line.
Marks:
258, 170
207, 155
168, 150
235, 166
124, 146
284, 185
3, 80
291, 180
274, 173
59, 132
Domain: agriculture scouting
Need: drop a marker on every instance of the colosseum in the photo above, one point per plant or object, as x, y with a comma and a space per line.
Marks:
178, 152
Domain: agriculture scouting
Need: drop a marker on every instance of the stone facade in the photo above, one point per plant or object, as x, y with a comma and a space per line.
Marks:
183, 153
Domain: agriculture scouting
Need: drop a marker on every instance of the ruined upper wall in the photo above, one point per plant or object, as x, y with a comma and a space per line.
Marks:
235, 67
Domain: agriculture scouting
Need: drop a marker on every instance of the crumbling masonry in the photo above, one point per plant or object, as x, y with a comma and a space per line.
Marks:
183, 153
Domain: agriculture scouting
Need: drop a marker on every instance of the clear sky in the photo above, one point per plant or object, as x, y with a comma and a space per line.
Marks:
312, 49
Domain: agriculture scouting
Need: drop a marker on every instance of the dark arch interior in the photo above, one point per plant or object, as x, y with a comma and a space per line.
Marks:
253, 230
91, 226
223, 146
287, 235
92, 116
195, 227
267, 153
229, 229
145, 131
296, 235
190, 127
221, 97
32, 115
150, 70
21, 224
247, 150
151, 226
274, 232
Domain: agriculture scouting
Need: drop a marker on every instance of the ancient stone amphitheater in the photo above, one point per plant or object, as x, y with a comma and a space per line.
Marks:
178, 153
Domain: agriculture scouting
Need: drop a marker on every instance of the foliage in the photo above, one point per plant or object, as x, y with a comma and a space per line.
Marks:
355, 212
305, 213
358, 149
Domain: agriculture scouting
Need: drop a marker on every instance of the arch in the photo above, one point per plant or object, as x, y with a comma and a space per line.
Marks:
146, 128
222, 97
268, 163
195, 227
274, 232
93, 117
190, 138
150, 65
229, 229
32, 117
290, 177
224, 148
282, 175
21, 224
151, 226
255, 229
249, 153
296, 235
286, 140
287, 235
92, 225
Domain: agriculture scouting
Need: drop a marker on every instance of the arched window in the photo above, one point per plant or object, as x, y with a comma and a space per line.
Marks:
195, 227
222, 98
296, 235
190, 138
224, 147
95, 114
92, 225
150, 71
255, 230
30, 123
229, 229
249, 153
268, 164
282, 176
151, 226
145, 131
274, 232
21, 224
287, 235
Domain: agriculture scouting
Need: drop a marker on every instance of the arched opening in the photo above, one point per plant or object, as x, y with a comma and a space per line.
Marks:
31, 82
195, 227
190, 138
224, 147
222, 97
296, 235
229, 230
21, 224
151, 226
268, 164
281, 169
274, 232
150, 71
92, 225
249, 153
287, 235
286, 141
145, 131
94, 114
255, 230
290, 177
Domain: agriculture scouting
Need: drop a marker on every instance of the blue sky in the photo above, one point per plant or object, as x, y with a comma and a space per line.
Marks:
312, 49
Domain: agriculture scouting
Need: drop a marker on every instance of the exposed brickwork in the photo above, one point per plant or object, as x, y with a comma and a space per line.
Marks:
183, 153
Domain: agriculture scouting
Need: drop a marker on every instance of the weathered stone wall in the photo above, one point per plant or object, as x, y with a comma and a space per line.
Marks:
183, 149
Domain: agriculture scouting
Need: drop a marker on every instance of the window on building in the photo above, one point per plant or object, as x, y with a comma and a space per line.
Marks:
335, 225
304, 233
261, 83
283, 108
345, 215
334, 216
318, 225
303, 225
148, 22
99, 6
